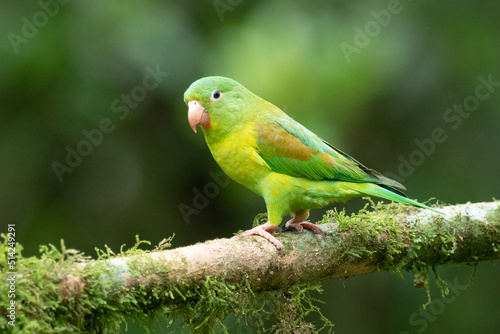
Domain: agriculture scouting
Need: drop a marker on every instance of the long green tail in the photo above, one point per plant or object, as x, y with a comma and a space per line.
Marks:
377, 191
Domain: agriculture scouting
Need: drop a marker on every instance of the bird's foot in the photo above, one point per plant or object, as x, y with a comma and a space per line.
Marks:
299, 226
265, 231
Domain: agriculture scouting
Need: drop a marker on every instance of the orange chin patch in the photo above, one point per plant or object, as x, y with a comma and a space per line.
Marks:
207, 125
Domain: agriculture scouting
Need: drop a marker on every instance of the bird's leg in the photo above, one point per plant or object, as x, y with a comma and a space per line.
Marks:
298, 223
265, 231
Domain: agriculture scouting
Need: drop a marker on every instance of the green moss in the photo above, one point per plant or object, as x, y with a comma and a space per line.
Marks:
41, 306
461, 240
37, 295
93, 299
260, 219
375, 233
381, 234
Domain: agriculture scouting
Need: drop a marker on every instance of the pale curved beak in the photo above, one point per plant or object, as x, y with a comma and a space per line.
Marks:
197, 115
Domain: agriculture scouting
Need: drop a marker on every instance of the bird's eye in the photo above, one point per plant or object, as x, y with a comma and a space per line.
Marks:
216, 95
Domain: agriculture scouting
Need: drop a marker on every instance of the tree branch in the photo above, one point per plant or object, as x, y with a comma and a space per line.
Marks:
389, 237
467, 234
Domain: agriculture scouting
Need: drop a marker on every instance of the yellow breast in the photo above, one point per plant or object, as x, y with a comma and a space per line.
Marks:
237, 155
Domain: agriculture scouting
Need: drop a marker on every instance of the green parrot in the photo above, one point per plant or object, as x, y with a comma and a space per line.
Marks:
262, 148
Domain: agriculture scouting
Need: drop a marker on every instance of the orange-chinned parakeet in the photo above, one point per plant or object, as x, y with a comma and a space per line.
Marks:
261, 147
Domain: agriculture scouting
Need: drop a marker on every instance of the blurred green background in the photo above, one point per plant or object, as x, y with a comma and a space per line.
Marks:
371, 78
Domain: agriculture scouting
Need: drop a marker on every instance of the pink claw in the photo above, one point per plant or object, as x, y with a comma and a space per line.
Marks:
265, 231
299, 226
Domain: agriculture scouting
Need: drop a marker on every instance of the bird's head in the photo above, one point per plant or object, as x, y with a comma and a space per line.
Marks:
216, 103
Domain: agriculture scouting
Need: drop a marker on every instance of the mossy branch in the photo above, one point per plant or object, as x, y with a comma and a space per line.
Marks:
75, 291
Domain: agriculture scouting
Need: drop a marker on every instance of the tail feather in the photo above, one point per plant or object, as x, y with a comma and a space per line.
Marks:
374, 190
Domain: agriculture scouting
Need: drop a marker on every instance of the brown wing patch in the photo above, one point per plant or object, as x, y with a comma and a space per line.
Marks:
329, 159
276, 141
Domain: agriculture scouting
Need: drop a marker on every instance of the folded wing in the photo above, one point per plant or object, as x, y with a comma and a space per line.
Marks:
289, 148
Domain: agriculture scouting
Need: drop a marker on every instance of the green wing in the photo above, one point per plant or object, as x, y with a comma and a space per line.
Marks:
289, 148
